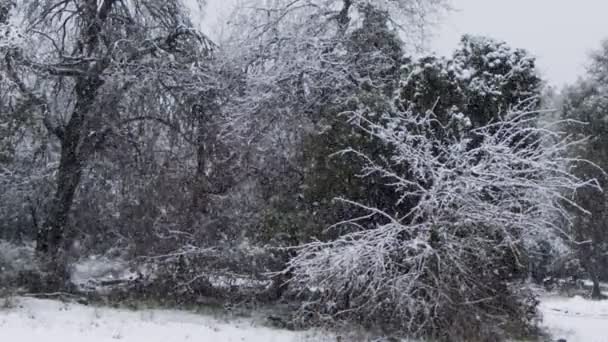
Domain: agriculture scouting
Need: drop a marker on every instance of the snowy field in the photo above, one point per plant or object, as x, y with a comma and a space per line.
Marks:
576, 319
34, 320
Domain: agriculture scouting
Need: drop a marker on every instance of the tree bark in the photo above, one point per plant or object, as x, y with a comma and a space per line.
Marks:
52, 232
206, 130
596, 293
200, 193
50, 237
74, 139
343, 18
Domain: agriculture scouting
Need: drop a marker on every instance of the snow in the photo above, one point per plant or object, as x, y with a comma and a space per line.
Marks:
576, 319
88, 273
31, 320
102, 274
34, 320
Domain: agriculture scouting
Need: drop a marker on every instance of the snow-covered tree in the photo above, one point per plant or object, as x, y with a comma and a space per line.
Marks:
297, 57
24, 170
429, 82
483, 78
439, 267
303, 63
585, 104
94, 69
375, 54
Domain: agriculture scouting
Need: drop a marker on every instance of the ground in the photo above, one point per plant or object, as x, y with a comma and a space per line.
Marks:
33, 320
576, 319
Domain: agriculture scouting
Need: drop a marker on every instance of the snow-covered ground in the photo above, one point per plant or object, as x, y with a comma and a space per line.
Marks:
33, 320
576, 319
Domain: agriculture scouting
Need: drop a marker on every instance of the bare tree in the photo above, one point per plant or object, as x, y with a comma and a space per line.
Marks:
296, 59
85, 63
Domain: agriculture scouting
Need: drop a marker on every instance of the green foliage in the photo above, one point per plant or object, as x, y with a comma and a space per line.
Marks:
483, 78
585, 109
311, 203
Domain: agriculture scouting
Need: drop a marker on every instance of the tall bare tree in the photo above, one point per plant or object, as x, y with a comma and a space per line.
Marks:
85, 64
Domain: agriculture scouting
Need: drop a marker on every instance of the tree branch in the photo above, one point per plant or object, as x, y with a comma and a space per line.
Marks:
57, 130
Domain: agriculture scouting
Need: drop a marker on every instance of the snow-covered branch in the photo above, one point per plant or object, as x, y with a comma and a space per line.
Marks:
477, 196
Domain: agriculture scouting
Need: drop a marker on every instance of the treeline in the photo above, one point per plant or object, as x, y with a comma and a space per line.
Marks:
302, 157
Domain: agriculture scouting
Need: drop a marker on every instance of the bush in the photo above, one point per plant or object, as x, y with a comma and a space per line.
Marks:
444, 268
18, 267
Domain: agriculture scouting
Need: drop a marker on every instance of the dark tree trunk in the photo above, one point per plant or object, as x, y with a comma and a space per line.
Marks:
200, 193
203, 114
74, 152
343, 18
596, 293
51, 234
76, 144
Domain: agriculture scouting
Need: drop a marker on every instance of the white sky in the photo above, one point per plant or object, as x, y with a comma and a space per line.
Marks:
560, 33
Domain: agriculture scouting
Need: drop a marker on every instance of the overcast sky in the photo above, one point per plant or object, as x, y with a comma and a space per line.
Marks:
560, 33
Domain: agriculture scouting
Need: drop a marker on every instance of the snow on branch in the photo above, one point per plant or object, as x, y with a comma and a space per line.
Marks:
477, 196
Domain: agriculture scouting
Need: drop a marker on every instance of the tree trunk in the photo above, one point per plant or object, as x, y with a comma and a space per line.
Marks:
203, 113
200, 193
74, 152
51, 234
596, 293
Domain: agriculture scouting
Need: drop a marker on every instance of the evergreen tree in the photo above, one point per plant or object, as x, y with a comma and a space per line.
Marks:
585, 104
484, 78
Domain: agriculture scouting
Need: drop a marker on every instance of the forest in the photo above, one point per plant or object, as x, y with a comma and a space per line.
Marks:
311, 161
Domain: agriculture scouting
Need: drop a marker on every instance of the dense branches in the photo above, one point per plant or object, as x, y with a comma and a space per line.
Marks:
585, 106
445, 256
394, 192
